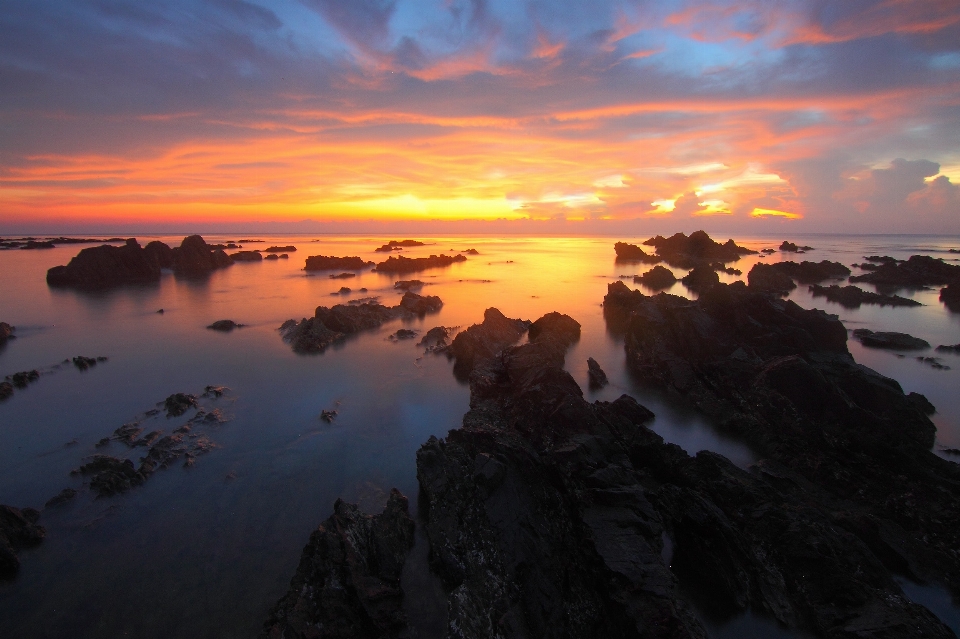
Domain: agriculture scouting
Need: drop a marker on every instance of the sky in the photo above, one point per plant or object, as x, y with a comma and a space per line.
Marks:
754, 116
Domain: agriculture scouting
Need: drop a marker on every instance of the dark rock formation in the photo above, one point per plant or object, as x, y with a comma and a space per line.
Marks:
917, 272
224, 326
633, 253
328, 325
348, 582
656, 278
33, 244
401, 264
18, 529
688, 252
483, 341
21, 379
700, 279
556, 324
60, 498
6, 390
598, 379
790, 247
246, 256
955, 348
403, 333
330, 263
195, 258
406, 285
159, 254
273, 256
397, 245
83, 363
342, 276
102, 267
328, 415
6, 332
854, 296
110, 475
435, 340
950, 296
179, 403
472, 251
770, 279
778, 278
280, 249
344, 290
891, 340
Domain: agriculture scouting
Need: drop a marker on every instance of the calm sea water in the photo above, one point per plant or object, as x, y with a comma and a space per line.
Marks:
206, 551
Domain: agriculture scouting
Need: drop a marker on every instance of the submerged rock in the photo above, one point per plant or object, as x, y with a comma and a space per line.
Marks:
21, 379
330, 263
633, 253
403, 333
656, 278
401, 264
102, 267
18, 529
342, 276
891, 340
83, 363
60, 498
854, 296
110, 475
348, 582
225, 326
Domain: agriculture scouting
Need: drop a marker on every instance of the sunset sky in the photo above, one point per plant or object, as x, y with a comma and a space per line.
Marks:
814, 116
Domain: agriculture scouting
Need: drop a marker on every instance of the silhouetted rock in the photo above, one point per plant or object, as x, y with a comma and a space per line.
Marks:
83, 363
406, 285
18, 529
246, 256
472, 251
696, 250
790, 247
483, 341
32, 244
917, 272
950, 296
224, 326
436, 339
778, 278
656, 278
330, 263
179, 403
280, 249
6, 332
955, 348
770, 279
21, 379
396, 245
158, 253
6, 390
195, 258
700, 279
891, 340
328, 415
854, 296
403, 333
342, 276
110, 475
633, 253
556, 324
598, 379
106, 266
344, 290
420, 304
401, 264
272, 257
62, 497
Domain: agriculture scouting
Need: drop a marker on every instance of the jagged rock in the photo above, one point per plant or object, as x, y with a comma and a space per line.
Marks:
854, 296
224, 326
397, 245
246, 256
62, 497
950, 296
18, 529
401, 264
406, 285
557, 325
484, 340
195, 258
700, 279
768, 278
790, 247
436, 338
109, 475
21, 379
330, 263
633, 253
696, 250
472, 251
420, 304
891, 340
328, 415
656, 278
919, 271
598, 379
106, 266
179, 403
348, 582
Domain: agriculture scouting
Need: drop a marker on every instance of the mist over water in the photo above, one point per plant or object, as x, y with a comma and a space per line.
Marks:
206, 551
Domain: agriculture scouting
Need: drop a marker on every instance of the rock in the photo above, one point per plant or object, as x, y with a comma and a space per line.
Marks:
6, 332
401, 264
656, 278
698, 249
933, 362
770, 279
396, 245
83, 363
420, 304
556, 325
342, 276
891, 340
329, 263
406, 285
6, 390
215, 391
854, 296
158, 253
598, 379
790, 247
633, 253
950, 296
162, 454
109, 475
280, 249
62, 497
225, 326
18, 529
179, 403
472, 251
949, 349
778, 278
32, 244
272, 256
917, 272
328, 415
284, 256
246, 256
483, 341
403, 333
700, 279
435, 340
768, 251
106, 266
344, 290
347, 584
195, 258
21, 379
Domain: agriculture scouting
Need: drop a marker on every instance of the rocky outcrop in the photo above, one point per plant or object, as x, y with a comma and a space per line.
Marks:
330, 263
401, 264
159, 253
195, 258
790, 247
348, 582
700, 279
6, 332
280, 249
950, 296
919, 271
854, 296
397, 245
436, 339
18, 529
224, 326
696, 249
779, 278
768, 278
656, 278
6, 390
102, 267
633, 253
328, 325
892, 340
407, 285
482, 341
246, 256
597, 378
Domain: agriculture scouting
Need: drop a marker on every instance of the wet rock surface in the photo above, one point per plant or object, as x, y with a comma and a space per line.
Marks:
633, 253
595, 374
890, 339
437, 338
407, 285
102, 267
696, 249
656, 278
330, 263
18, 529
401, 264
950, 296
420, 304
919, 271
348, 582
854, 296
482, 341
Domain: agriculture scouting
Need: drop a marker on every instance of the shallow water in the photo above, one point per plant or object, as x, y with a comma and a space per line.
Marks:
205, 551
